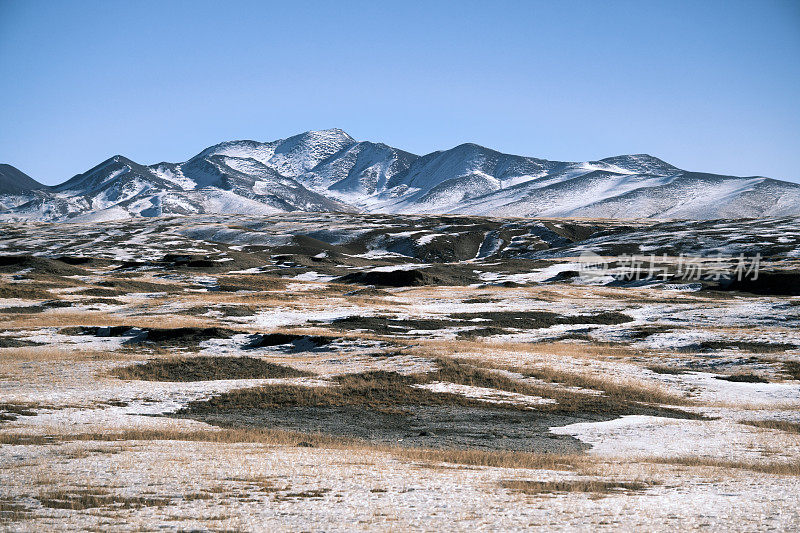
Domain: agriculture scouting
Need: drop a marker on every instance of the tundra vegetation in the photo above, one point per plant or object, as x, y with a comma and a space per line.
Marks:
229, 373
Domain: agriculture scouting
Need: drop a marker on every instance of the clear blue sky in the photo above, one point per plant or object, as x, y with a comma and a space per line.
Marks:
706, 85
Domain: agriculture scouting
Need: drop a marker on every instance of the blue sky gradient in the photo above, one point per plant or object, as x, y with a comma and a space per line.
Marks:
708, 86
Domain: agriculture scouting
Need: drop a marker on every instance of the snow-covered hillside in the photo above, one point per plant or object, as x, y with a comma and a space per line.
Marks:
330, 171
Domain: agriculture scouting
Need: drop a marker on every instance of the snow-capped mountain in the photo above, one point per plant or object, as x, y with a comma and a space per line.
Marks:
330, 171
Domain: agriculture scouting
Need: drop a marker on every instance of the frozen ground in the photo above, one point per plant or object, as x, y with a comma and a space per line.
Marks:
323, 372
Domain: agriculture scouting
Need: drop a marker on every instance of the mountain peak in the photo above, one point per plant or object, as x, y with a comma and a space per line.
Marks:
640, 163
338, 132
329, 137
300, 153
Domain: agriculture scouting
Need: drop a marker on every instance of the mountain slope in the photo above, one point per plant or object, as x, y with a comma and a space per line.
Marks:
361, 169
330, 171
14, 181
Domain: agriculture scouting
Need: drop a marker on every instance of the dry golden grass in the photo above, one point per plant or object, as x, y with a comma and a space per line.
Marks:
12, 510
165, 322
622, 389
780, 468
594, 486
258, 299
204, 368
81, 499
229, 436
557, 292
65, 318
664, 369
58, 318
59, 353
792, 368
84, 452
392, 391
25, 291
781, 425
11, 411
558, 349
489, 354
501, 459
473, 457
386, 391
549, 293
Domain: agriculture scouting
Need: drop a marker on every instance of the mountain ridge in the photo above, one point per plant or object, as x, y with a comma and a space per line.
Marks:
328, 170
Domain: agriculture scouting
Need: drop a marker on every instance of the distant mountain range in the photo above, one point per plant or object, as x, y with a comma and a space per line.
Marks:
330, 171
